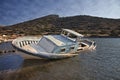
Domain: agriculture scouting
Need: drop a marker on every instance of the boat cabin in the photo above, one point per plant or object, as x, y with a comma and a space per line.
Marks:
67, 42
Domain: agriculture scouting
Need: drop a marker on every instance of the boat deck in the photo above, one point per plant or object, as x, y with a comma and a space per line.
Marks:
63, 39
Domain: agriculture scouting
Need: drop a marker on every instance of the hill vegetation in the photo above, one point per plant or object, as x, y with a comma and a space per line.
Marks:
52, 24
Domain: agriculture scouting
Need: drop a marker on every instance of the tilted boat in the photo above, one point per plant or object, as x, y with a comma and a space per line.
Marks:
68, 44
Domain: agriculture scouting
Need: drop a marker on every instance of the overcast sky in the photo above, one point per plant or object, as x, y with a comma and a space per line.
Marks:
16, 11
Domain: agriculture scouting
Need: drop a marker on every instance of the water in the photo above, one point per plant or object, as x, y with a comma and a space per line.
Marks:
101, 64
6, 46
11, 61
104, 63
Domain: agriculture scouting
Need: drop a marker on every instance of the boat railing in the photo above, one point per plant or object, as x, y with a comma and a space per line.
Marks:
89, 42
25, 41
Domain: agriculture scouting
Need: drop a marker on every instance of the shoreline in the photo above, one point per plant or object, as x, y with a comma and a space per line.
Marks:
84, 37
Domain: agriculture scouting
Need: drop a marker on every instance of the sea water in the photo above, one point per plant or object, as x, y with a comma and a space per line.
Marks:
100, 64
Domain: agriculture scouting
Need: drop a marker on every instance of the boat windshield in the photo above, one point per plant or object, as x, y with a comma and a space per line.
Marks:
69, 35
74, 36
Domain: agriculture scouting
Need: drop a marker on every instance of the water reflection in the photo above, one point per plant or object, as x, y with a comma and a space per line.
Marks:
36, 62
11, 61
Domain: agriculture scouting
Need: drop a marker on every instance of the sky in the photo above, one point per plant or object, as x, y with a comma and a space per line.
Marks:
16, 11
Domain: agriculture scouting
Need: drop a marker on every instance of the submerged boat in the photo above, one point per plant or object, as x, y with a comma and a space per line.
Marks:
68, 44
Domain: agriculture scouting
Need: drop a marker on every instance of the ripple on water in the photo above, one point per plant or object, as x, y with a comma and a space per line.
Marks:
11, 61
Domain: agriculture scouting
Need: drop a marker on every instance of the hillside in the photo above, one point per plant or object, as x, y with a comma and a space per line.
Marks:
52, 24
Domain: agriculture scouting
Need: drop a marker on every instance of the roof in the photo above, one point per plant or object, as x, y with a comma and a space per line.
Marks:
73, 32
55, 41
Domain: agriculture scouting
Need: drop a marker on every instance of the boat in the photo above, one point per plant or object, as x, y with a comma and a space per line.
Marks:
67, 44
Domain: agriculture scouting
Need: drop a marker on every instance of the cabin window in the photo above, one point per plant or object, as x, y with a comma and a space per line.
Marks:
72, 48
64, 33
83, 45
62, 50
72, 36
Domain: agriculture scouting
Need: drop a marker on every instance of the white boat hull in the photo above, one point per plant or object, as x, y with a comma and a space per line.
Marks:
22, 44
27, 54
